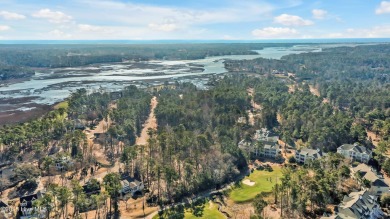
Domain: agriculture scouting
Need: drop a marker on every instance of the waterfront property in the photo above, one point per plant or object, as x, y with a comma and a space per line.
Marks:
355, 152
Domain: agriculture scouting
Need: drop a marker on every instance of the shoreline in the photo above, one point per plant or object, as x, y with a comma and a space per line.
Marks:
11, 113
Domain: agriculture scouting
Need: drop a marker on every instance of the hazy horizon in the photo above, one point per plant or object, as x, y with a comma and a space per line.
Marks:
195, 20
194, 41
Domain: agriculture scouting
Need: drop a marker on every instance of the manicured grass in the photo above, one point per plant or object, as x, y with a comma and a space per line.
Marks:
203, 209
63, 104
244, 193
209, 211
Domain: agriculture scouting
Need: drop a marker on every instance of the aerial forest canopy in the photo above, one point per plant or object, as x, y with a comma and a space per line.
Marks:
195, 145
351, 87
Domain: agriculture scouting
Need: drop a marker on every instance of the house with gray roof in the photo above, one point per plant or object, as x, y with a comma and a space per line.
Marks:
306, 154
355, 152
131, 186
360, 204
271, 150
264, 144
377, 185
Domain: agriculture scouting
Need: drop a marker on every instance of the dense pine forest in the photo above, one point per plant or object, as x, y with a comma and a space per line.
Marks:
307, 101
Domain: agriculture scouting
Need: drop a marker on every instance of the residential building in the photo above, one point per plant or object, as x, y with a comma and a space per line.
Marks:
27, 209
362, 205
244, 145
264, 144
270, 150
377, 185
355, 152
131, 186
5, 210
63, 163
306, 154
265, 135
270, 147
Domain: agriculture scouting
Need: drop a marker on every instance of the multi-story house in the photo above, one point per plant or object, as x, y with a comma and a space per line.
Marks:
355, 152
131, 186
263, 144
27, 210
361, 205
306, 154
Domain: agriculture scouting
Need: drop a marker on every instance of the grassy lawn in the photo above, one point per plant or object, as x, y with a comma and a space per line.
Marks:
63, 104
200, 210
209, 211
244, 193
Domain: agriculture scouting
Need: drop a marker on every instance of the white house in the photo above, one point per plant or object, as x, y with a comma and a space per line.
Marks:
269, 144
270, 150
355, 152
131, 186
306, 154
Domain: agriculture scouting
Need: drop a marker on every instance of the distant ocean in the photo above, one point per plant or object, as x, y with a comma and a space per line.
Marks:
352, 40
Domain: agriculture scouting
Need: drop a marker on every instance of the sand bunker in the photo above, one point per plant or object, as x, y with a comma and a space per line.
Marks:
248, 182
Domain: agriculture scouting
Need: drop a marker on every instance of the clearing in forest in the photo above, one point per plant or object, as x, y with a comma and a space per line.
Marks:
264, 181
151, 122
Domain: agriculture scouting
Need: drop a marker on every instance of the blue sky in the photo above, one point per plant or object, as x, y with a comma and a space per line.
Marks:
193, 19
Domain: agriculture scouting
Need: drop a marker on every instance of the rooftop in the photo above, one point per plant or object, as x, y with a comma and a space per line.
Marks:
310, 152
355, 147
367, 172
357, 205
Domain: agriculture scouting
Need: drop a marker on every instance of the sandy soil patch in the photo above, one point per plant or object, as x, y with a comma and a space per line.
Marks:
374, 138
151, 122
291, 88
248, 182
314, 91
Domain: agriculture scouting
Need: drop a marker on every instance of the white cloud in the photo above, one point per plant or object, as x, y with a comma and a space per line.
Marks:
274, 32
145, 14
4, 28
53, 16
164, 27
383, 8
168, 25
374, 32
292, 20
89, 28
11, 16
58, 34
319, 14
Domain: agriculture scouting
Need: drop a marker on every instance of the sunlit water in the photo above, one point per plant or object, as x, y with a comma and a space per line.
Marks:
116, 76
